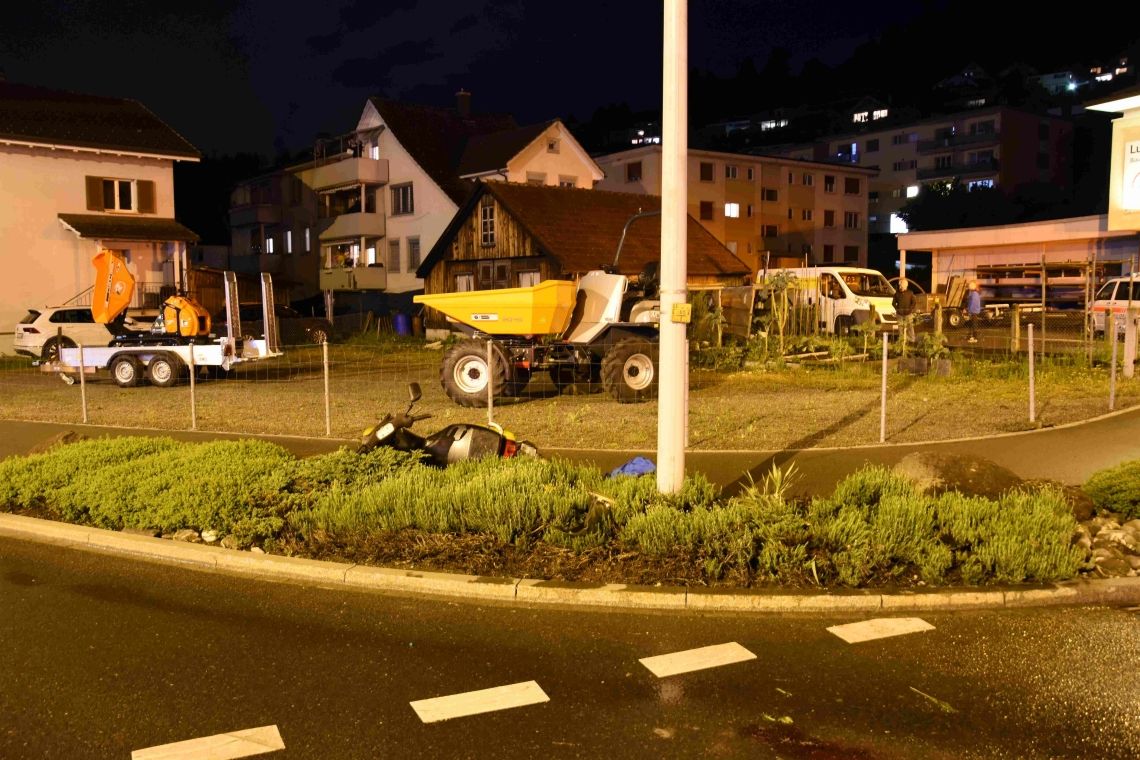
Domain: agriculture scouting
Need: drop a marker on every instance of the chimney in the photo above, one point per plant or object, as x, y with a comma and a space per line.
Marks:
463, 103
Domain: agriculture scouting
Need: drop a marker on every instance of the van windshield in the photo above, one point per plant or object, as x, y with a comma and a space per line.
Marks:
868, 284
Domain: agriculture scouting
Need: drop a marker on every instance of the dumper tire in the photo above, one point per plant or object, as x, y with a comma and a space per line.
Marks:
165, 370
954, 318
464, 373
629, 371
127, 371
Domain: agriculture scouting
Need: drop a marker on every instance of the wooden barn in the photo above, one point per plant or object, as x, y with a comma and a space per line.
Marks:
514, 235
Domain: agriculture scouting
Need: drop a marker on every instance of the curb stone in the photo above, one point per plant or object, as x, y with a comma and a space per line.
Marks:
527, 591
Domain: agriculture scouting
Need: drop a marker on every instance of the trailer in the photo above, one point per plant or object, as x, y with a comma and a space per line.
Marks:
164, 357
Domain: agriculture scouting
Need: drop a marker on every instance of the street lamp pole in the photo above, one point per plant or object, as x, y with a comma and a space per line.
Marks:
673, 380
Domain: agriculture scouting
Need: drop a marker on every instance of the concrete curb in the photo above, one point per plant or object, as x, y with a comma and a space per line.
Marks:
526, 591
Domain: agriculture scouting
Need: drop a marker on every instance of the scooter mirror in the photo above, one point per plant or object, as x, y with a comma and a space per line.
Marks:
414, 392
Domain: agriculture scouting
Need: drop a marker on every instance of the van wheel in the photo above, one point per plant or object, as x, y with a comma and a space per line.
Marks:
126, 370
50, 351
464, 373
843, 325
165, 370
629, 371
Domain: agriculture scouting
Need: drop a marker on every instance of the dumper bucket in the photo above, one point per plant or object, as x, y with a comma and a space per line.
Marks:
114, 286
541, 309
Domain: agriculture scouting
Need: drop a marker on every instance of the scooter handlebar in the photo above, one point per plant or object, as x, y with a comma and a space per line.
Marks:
418, 417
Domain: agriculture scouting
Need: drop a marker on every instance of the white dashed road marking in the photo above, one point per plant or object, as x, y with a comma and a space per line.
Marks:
476, 702
879, 628
250, 741
696, 659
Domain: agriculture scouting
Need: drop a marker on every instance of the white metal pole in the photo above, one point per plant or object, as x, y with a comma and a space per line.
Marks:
490, 382
673, 381
1032, 385
883, 393
82, 384
193, 400
1112, 375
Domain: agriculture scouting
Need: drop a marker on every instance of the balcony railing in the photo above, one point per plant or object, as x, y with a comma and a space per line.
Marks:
351, 170
354, 278
254, 214
959, 141
984, 166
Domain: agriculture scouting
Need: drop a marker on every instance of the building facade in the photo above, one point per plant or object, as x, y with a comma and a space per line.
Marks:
772, 211
997, 147
81, 173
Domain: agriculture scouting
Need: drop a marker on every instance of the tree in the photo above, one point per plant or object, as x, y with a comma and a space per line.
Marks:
952, 205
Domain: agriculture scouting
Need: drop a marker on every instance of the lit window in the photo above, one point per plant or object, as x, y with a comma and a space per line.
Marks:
288, 241
732, 210
269, 244
912, 191
898, 225
307, 240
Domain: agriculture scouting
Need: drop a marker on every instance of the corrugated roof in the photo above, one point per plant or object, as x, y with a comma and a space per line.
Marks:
41, 115
121, 227
582, 228
488, 153
436, 137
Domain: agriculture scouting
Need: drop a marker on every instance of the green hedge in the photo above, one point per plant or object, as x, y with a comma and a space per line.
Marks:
1116, 489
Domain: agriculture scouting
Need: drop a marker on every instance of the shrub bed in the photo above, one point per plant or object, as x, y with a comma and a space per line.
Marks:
549, 516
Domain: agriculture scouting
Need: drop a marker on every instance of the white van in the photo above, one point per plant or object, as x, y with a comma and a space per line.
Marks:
1113, 298
844, 295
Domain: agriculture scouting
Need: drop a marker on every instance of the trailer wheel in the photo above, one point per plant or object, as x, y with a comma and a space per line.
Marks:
464, 374
165, 370
126, 370
954, 318
629, 371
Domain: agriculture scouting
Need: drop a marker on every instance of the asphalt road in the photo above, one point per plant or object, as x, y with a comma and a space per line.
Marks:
105, 656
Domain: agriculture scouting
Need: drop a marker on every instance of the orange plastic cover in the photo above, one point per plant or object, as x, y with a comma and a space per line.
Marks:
114, 286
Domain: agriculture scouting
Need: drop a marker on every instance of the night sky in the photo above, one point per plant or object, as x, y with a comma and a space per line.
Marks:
266, 76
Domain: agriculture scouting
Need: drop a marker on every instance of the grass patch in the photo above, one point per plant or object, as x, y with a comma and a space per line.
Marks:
876, 527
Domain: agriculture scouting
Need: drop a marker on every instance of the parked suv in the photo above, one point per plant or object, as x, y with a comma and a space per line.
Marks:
293, 327
42, 332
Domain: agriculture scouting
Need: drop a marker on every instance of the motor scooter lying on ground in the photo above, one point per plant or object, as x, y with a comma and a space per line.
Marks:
454, 443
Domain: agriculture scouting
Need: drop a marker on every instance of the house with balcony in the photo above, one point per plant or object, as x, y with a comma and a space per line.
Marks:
769, 211
363, 213
81, 173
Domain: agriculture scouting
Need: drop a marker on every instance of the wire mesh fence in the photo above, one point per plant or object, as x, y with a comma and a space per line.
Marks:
742, 394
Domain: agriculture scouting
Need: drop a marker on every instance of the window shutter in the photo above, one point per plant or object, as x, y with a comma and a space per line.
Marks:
94, 193
146, 196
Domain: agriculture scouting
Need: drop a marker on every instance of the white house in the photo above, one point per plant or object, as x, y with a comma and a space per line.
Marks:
79, 173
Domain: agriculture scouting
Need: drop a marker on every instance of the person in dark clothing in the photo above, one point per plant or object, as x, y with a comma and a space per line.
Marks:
904, 303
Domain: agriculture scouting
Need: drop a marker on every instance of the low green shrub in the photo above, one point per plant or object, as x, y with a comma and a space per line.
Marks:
1116, 489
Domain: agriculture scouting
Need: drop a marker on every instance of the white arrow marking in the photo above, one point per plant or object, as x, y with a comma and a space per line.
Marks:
250, 741
482, 701
696, 659
879, 628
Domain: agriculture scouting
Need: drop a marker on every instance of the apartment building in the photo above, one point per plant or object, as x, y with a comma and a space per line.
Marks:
768, 210
1000, 147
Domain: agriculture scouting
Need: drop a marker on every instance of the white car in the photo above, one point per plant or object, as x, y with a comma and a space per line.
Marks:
42, 332
1114, 298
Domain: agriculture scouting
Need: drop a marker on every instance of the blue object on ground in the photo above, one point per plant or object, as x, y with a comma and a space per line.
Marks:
402, 323
635, 466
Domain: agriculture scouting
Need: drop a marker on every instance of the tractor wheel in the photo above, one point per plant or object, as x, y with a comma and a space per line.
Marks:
165, 370
126, 370
629, 371
575, 380
50, 351
464, 374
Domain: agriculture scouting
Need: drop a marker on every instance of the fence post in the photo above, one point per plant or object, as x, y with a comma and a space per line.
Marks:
1129, 359
1015, 329
490, 382
883, 394
328, 400
1112, 375
193, 399
1032, 386
938, 320
82, 384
